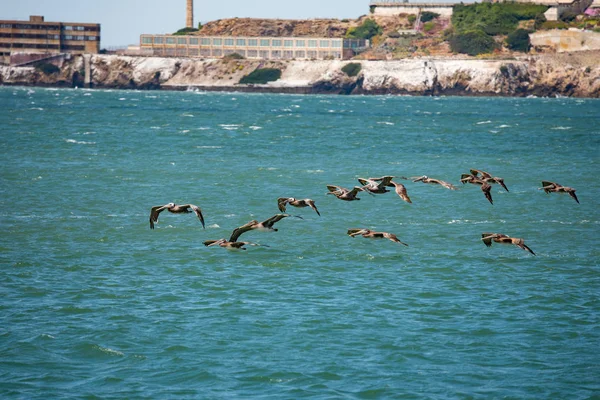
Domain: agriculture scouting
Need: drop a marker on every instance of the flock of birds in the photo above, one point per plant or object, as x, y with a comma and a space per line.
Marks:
371, 186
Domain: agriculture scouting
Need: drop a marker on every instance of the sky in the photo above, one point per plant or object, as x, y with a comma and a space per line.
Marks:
122, 21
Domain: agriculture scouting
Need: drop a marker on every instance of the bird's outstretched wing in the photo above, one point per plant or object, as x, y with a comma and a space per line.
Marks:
154, 212
393, 238
244, 228
312, 205
197, 211
355, 232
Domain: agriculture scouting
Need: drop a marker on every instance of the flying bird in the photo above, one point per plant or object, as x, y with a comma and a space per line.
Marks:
367, 233
426, 179
553, 187
175, 209
231, 245
488, 178
266, 225
283, 201
488, 238
376, 185
343, 193
485, 187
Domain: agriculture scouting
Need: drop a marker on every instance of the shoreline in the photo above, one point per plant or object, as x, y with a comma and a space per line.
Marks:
550, 75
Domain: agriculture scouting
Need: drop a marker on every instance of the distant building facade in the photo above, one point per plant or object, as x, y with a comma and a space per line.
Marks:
268, 48
37, 36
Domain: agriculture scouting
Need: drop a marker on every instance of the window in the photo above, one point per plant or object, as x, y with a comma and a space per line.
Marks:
252, 53
205, 52
5, 26
68, 28
217, 52
217, 42
265, 42
324, 43
79, 28
288, 43
288, 54
228, 42
158, 40
146, 40
68, 37
252, 42
276, 54
93, 38
193, 52
276, 43
312, 43
205, 41
336, 54
311, 54
181, 40
170, 40
300, 43
263, 53
300, 54
336, 43
240, 42
194, 41
79, 37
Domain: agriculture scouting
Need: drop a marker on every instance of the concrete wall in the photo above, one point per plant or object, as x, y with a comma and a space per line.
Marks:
412, 8
566, 40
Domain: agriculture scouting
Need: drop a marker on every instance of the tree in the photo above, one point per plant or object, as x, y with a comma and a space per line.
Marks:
519, 41
367, 30
473, 43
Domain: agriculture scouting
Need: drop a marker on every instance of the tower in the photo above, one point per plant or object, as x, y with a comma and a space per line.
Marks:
189, 20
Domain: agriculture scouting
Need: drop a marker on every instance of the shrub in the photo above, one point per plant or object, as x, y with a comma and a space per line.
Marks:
427, 16
261, 76
352, 69
568, 16
185, 31
519, 41
428, 26
539, 21
473, 43
366, 30
412, 18
234, 56
554, 25
47, 68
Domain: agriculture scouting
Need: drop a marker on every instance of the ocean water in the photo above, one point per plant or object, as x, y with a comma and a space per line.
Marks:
94, 304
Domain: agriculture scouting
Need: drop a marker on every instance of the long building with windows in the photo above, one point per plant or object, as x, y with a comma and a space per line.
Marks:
37, 36
270, 48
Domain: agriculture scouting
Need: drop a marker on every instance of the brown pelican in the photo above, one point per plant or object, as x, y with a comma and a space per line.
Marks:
266, 225
343, 193
175, 209
488, 178
367, 233
376, 185
552, 187
503, 239
426, 179
282, 201
485, 187
230, 245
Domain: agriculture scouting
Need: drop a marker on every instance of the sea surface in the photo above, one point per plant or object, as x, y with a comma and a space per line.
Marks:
96, 305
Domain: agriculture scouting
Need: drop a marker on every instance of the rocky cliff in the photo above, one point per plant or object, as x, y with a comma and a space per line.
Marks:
571, 74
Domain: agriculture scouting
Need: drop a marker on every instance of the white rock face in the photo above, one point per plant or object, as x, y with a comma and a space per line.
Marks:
572, 74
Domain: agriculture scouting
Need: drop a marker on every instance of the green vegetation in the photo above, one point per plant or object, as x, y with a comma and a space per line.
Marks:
476, 24
427, 16
185, 31
428, 26
367, 30
472, 43
493, 18
261, 76
352, 69
411, 18
519, 41
47, 68
234, 56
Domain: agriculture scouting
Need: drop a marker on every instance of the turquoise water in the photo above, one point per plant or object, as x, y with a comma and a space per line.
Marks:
97, 305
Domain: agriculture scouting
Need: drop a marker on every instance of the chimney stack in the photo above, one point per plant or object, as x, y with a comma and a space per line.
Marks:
189, 22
